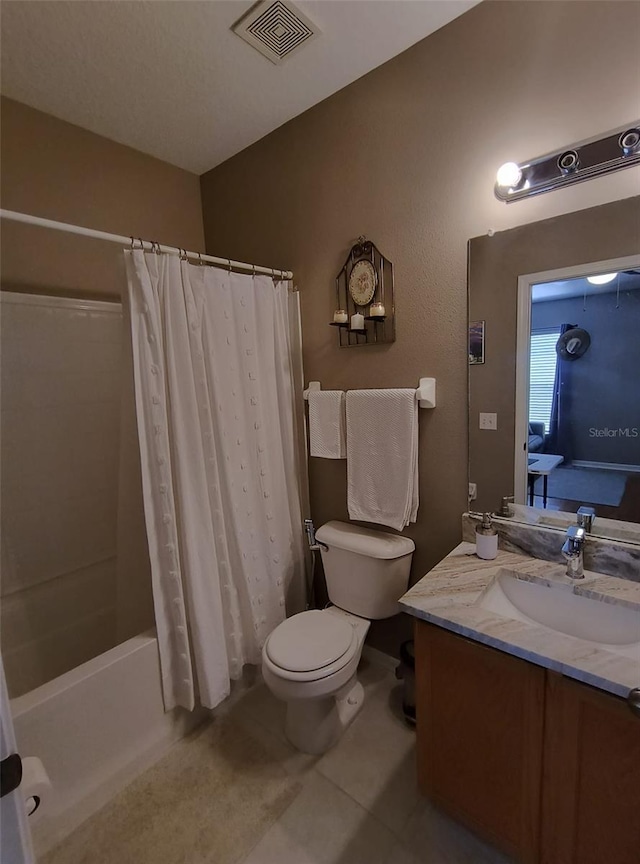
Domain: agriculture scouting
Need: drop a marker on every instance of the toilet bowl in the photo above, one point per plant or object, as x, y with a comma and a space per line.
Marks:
310, 660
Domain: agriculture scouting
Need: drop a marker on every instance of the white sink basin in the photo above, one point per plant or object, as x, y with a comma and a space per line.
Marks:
611, 626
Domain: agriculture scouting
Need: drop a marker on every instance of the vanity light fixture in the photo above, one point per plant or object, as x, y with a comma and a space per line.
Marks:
591, 158
509, 176
602, 279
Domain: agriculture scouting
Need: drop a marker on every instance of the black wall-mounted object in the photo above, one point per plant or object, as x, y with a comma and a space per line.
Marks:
378, 329
10, 774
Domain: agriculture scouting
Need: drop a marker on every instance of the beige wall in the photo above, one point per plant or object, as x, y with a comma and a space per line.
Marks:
59, 171
407, 156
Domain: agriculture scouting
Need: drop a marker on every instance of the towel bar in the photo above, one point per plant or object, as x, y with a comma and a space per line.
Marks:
425, 392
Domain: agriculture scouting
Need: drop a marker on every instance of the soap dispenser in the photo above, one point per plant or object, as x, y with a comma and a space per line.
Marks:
486, 539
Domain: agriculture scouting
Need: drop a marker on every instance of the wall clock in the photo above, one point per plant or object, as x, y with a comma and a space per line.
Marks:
363, 280
364, 311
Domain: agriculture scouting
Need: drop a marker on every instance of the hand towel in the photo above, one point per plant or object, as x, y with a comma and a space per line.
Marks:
382, 456
327, 424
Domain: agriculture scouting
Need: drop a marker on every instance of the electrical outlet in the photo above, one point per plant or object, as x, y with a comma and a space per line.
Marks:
488, 421
473, 491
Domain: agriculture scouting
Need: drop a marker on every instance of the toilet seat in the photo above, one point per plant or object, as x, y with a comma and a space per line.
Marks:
310, 646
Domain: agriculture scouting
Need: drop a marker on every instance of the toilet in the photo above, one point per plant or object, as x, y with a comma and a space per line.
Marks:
310, 660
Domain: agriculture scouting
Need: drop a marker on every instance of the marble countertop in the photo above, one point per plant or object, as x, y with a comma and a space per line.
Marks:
451, 593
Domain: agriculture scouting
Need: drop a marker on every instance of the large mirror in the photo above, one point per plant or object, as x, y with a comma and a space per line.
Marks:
554, 311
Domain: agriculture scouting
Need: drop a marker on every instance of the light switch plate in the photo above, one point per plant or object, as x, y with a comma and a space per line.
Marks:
488, 421
473, 491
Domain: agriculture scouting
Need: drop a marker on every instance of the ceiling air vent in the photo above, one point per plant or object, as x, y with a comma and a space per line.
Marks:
276, 29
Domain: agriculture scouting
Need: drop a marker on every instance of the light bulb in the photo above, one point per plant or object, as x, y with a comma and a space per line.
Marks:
603, 279
508, 176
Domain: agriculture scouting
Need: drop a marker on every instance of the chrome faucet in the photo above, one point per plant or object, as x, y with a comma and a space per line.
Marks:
586, 515
572, 550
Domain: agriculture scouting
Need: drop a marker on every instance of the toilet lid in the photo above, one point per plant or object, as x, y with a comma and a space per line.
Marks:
308, 641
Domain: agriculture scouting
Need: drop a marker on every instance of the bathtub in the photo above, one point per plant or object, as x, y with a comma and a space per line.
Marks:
95, 729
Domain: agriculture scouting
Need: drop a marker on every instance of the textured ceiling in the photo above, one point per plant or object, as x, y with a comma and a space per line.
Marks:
170, 78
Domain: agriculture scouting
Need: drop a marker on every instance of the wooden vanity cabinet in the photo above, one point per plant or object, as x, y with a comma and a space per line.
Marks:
591, 777
543, 767
480, 737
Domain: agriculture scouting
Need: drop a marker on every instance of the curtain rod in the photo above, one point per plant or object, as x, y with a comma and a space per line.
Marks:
149, 245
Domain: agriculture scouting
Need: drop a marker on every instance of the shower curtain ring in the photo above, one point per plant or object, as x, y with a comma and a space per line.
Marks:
200, 261
229, 260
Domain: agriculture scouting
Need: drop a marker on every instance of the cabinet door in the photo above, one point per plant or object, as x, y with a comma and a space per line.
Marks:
479, 738
591, 779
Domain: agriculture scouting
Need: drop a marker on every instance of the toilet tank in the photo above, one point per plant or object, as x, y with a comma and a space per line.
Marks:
366, 571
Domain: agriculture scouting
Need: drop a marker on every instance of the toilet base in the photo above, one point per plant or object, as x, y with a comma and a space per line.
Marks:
315, 725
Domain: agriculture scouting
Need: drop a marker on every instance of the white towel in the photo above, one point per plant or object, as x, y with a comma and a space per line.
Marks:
382, 456
327, 424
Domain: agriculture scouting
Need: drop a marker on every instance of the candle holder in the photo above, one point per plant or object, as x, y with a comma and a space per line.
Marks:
369, 289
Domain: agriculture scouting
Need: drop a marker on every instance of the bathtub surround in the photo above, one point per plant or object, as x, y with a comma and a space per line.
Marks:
214, 389
408, 154
60, 462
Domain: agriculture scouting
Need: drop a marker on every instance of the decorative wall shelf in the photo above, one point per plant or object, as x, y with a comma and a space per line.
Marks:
365, 280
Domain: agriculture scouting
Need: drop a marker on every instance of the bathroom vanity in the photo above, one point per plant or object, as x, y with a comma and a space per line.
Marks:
524, 732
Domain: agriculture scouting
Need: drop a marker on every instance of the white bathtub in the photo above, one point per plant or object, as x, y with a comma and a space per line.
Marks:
95, 728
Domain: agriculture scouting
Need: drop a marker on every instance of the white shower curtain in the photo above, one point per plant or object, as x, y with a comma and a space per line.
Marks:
215, 410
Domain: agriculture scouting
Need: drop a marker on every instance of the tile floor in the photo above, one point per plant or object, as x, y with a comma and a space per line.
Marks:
237, 793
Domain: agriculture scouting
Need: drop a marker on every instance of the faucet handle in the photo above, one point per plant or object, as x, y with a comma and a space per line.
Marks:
586, 515
576, 533
572, 550
505, 509
574, 541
